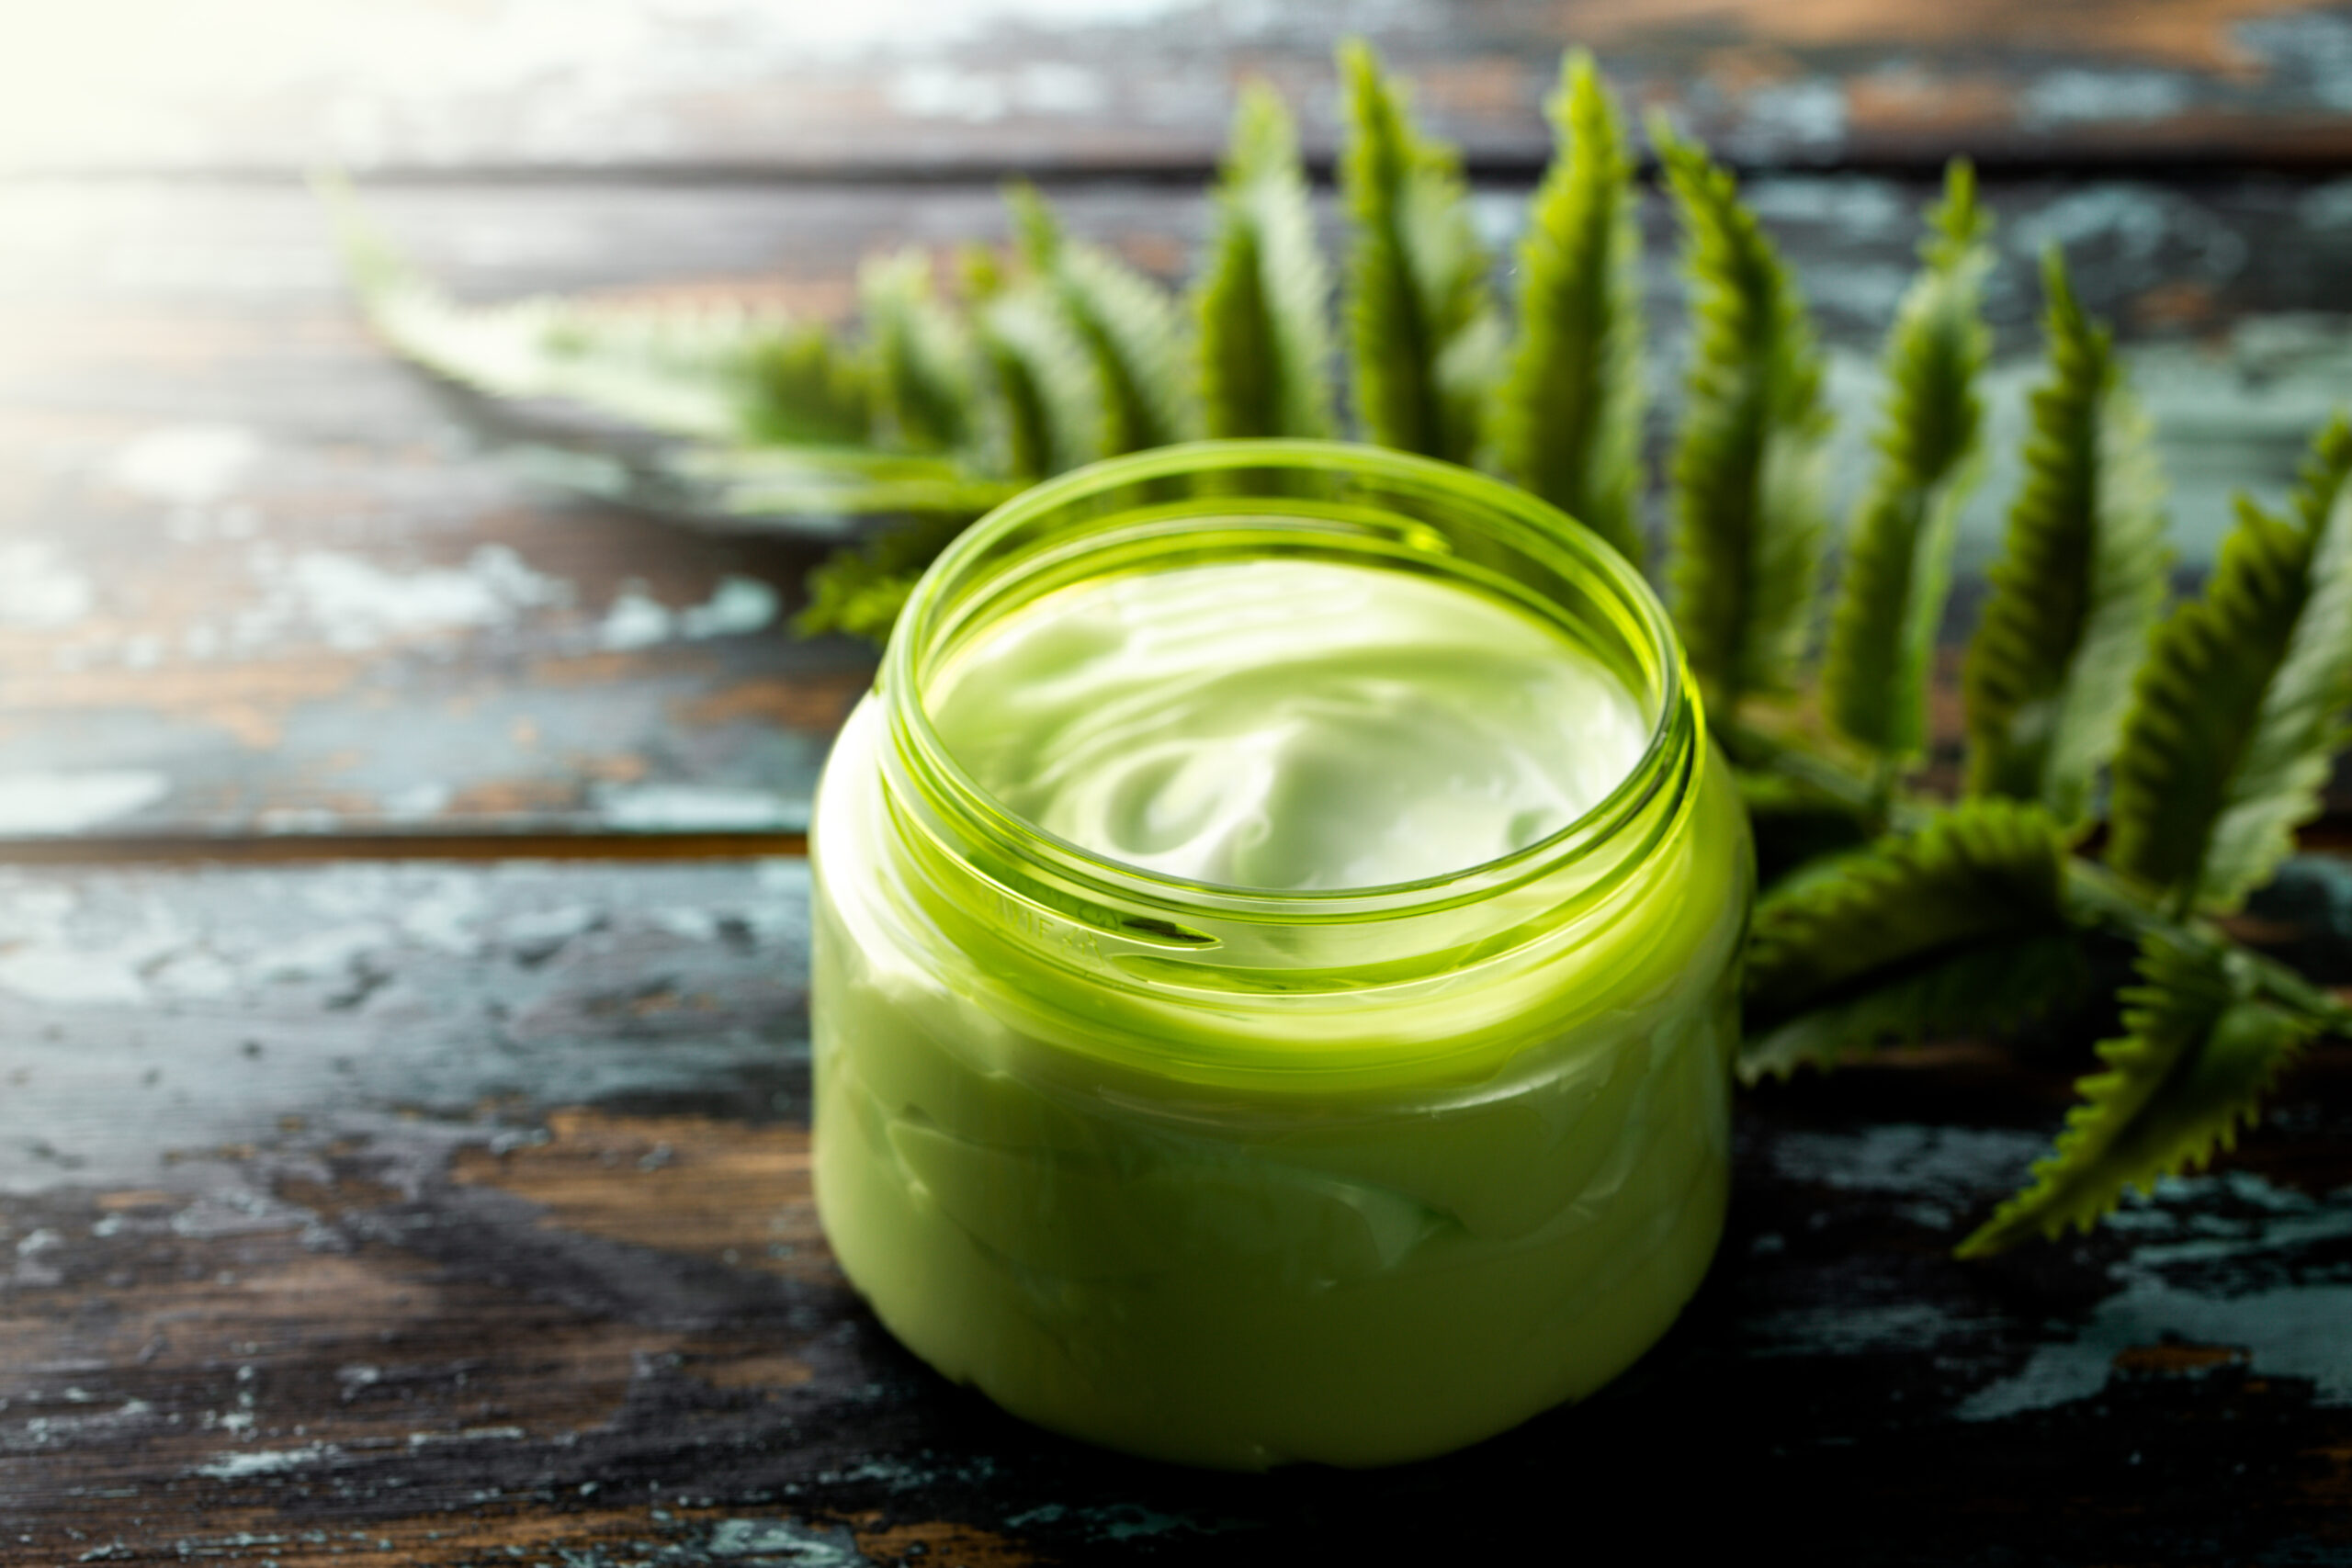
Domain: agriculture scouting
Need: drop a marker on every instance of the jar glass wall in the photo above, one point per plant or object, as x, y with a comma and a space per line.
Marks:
1239, 1175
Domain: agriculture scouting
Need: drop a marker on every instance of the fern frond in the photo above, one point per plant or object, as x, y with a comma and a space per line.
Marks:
1423, 339
782, 414
1960, 924
1047, 407
1890, 602
1970, 990
925, 391
717, 372
1749, 511
1127, 323
2230, 735
859, 591
1567, 417
811, 483
2326, 471
2047, 674
1263, 341
2198, 1052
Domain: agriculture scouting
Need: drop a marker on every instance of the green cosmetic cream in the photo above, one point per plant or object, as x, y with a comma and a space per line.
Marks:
1275, 961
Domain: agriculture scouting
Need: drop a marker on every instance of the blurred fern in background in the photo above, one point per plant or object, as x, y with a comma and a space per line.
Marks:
2128, 771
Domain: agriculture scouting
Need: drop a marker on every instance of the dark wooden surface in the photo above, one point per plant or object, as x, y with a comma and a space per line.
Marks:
462, 1207
455, 1209
467, 1207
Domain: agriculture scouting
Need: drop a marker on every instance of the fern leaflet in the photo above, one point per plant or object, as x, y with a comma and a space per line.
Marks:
1890, 600
1957, 925
859, 591
2326, 472
1046, 406
2198, 1052
1567, 417
721, 372
1126, 322
2230, 733
925, 389
1422, 335
814, 482
2048, 673
1264, 346
1747, 481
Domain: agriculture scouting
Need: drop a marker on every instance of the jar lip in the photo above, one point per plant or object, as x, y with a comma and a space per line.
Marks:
1678, 713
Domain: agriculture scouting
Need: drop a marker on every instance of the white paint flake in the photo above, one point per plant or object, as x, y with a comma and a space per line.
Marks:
636, 619
2077, 96
445, 915
36, 589
737, 606
2326, 206
68, 802
189, 464
2313, 45
933, 90
698, 807
357, 603
235, 1466
1809, 113
418, 802
66, 978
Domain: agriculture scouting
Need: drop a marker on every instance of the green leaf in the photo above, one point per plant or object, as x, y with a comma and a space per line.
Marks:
1264, 346
2233, 723
1046, 406
1962, 924
2199, 1050
1890, 601
859, 591
925, 387
718, 372
1749, 510
2047, 674
1567, 416
781, 415
2326, 471
1126, 322
1423, 338
806, 484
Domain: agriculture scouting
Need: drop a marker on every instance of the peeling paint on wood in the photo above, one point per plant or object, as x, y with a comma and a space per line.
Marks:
986, 85
453, 1213
501, 1239
284, 575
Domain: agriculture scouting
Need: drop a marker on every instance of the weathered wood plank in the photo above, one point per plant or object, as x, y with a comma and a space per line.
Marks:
440, 1210
910, 86
259, 578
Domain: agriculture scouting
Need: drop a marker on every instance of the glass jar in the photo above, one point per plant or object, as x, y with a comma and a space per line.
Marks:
1237, 1176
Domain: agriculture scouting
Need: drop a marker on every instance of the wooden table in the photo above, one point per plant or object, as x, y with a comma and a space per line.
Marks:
403, 927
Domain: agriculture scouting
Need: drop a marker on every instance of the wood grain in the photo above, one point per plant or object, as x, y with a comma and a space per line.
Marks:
455, 1211
261, 579
499, 1238
906, 89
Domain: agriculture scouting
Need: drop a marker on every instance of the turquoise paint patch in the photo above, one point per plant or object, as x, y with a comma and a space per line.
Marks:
2294, 1330
782, 1541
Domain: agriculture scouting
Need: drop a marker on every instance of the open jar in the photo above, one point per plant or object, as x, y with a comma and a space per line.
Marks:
1277, 924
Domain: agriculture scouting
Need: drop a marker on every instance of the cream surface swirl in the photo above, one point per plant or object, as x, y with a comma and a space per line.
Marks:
1287, 723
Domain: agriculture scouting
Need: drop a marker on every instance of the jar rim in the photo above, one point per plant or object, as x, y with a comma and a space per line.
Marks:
1675, 725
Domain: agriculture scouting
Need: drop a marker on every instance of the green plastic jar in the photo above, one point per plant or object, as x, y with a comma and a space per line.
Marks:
1241, 1172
